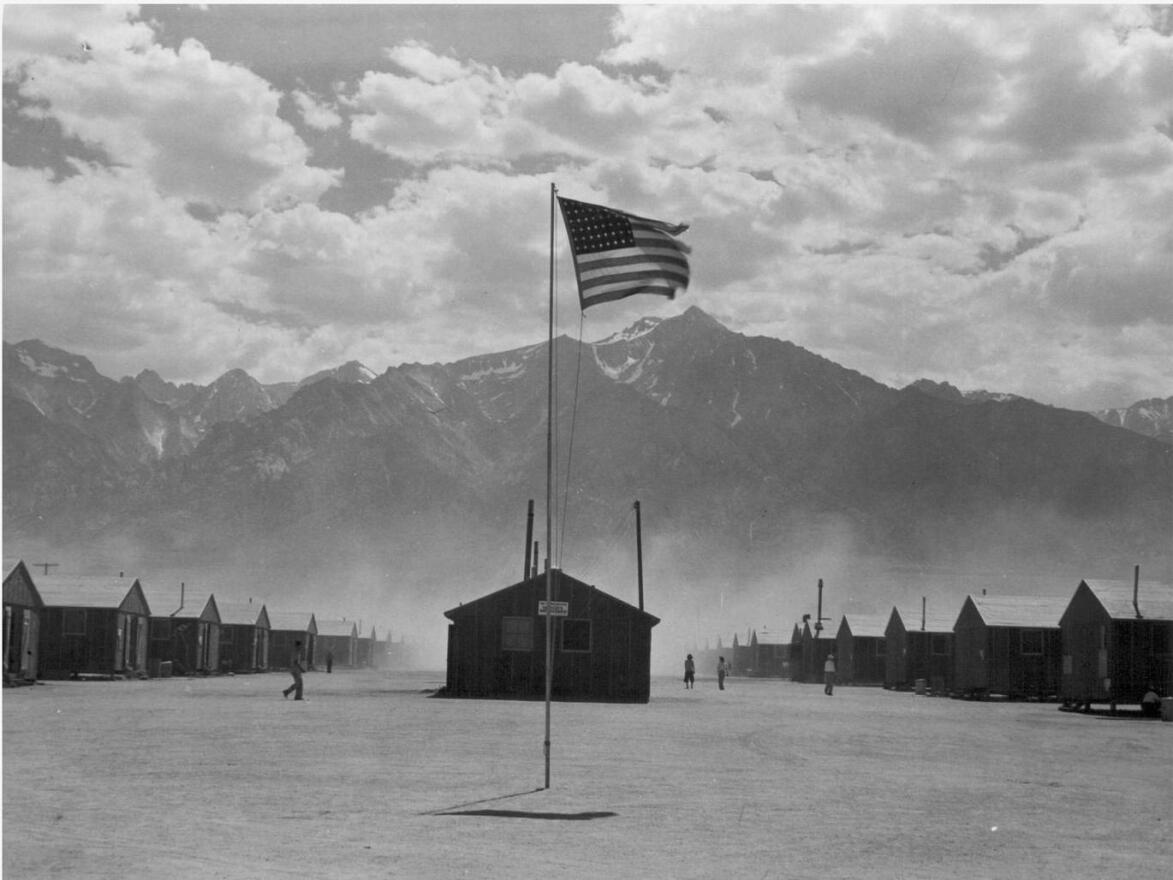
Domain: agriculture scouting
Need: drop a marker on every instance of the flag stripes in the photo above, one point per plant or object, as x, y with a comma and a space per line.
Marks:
617, 255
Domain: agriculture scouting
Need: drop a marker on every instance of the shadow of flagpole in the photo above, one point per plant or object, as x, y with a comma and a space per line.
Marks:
503, 797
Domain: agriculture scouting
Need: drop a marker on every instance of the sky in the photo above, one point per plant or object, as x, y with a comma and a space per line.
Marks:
979, 195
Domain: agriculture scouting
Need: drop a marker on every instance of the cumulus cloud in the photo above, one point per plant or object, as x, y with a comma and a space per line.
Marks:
452, 111
33, 32
202, 130
316, 113
108, 267
922, 78
1107, 286
443, 110
976, 194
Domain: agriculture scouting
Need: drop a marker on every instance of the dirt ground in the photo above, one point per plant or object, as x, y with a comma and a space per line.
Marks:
371, 777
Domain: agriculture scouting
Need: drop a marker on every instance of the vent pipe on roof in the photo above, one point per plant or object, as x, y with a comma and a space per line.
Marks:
529, 536
923, 603
1136, 591
819, 614
180, 608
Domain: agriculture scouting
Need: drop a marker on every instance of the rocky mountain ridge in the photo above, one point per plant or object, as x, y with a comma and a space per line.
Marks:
745, 451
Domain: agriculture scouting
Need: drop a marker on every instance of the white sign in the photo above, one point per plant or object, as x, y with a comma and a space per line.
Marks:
556, 609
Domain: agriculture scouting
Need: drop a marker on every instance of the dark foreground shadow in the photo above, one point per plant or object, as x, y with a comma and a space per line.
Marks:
1106, 714
526, 814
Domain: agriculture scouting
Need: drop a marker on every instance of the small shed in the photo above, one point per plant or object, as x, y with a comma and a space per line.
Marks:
366, 650
706, 659
794, 652
768, 654
1008, 645
93, 626
188, 638
244, 637
738, 658
287, 628
22, 626
601, 646
397, 655
860, 649
1117, 642
337, 643
919, 648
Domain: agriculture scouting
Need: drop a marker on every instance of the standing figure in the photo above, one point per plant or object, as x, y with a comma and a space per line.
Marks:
722, 669
829, 674
1150, 703
329, 661
689, 671
295, 670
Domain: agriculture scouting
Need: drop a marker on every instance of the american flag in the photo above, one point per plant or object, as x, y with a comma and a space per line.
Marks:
617, 254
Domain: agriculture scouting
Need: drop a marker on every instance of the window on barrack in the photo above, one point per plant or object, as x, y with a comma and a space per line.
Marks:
576, 635
517, 633
73, 622
1032, 641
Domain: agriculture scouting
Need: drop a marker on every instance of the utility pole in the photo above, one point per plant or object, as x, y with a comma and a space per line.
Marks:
45, 565
819, 617
639, 556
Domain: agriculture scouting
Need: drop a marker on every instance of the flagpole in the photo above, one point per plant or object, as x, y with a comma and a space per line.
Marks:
550, 491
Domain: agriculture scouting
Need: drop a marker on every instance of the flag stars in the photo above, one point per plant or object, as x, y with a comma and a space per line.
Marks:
595, 229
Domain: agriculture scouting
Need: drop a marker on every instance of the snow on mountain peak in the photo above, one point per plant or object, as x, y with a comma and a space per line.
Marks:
640, 328
49, 371
506, 370
351, 372
355, 371
628, 371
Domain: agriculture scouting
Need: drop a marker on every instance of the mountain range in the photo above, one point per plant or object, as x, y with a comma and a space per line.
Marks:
753, 459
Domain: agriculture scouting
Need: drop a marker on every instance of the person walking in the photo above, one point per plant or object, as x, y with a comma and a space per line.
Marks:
689, 672
295, 670
829, 674
722, 670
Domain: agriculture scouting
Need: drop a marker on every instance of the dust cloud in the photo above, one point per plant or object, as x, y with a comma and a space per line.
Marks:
704, 584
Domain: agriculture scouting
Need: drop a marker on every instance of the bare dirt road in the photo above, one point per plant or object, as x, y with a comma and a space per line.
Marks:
371, 777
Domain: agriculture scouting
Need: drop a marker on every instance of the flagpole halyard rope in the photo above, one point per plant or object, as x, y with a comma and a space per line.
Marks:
570, 439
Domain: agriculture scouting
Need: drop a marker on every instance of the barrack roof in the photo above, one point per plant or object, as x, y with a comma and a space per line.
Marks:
164, 602
867, 625
242, 613
297, 621
1155, 599
934, 621
1035, 612
86, 591
337, 628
